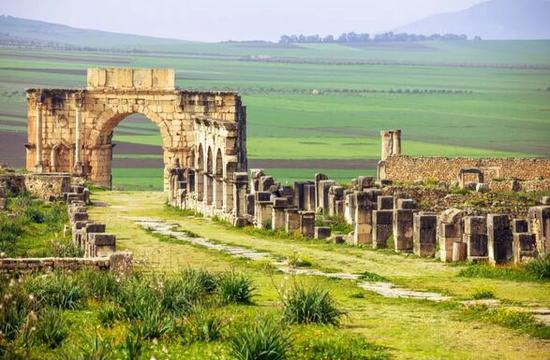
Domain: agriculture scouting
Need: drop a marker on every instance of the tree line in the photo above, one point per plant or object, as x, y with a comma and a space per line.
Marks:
352, 37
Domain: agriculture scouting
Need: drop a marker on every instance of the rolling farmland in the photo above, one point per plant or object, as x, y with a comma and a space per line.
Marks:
319, 106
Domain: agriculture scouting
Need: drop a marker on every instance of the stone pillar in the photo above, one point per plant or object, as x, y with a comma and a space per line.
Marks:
256, 174
199, 186
362, 233
459, 251
539, 224
335, 194
475, 237
78, 169
449, 231
309, 197
324, 188
262, 209
403, 230
218, 192
525, 247
424, 234
382, 226
499, 238
240, 182
228, 195
349, 208
307, 223
38, 139
318, 178
300, 194
266, 182
292, 220
278, 213
396, 142
208, 189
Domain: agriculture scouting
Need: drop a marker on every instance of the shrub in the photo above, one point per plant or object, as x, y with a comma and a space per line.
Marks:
136, 296
483, 294
540, 267
51, 328
110, 313
370, 276
96, 347
234, 287
179, 294
132, 347
205, 279
315, 305
153, 323
261, 339
57, 290
296, 260
15, 306
204, 325
99, 284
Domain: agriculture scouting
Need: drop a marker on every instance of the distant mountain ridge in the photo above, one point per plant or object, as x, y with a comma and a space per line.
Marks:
494, 20
40, 31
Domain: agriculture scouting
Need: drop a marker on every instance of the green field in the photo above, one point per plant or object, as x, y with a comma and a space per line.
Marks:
329, 101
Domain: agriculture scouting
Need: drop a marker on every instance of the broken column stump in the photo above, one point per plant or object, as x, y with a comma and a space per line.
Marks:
424, 234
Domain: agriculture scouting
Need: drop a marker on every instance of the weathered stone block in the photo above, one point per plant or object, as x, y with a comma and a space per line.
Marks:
80, 216
407, 204
475, 225
95, 228
382, 223
322, 232
403, 230
539, 224
520, 226
459, 251
292, 220
524, 245
424, 234
307, 223
499, 238
476, 245
385, 203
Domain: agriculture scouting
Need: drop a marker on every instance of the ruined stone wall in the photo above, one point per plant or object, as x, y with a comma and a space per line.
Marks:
410, 169
43, 186
70, 130
120, 262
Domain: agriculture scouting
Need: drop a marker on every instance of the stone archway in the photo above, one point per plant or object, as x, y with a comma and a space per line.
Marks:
89, 116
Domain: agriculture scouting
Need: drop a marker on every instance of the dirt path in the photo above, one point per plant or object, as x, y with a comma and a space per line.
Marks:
410, 328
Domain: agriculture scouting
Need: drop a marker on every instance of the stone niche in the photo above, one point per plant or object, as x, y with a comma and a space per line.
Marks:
131, 78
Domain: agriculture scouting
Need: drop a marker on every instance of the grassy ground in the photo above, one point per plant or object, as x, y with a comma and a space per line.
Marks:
408, 328
450, 98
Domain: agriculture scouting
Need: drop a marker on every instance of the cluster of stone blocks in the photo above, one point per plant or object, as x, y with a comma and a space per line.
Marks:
87, 235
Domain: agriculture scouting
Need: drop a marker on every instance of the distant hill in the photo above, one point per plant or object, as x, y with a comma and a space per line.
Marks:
19, 29
495, 19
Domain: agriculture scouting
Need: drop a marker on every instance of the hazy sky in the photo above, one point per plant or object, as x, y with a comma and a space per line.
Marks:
214, 20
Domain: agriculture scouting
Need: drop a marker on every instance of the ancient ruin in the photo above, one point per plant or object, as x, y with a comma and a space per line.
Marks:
70, 130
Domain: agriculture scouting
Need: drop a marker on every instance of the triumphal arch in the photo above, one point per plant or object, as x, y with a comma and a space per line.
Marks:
71, 130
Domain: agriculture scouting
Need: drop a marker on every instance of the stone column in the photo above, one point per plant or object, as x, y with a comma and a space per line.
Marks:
262, 209
475, 237
292, 220
218, 192
362, 233
307, 223
499, 238
309, 197
335, 194
278, 213
396, 142
38, 139
78, 146
449, 230
524, 247
318, 178
240, 182
382, 227
424, 234
349, 208
539, 224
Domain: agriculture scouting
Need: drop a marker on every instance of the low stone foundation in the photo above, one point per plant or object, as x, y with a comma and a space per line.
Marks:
44, 186
120, 262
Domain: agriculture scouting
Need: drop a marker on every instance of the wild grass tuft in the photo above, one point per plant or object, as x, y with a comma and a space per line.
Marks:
51, 329
260, 339
480, 294
539, 268
234, 287
314, 305
370, 276
204, 325
57, 290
